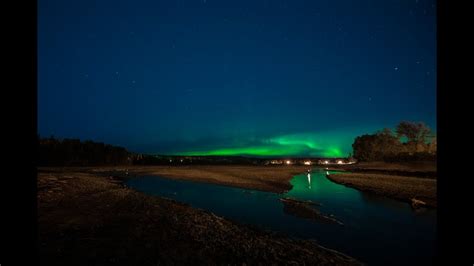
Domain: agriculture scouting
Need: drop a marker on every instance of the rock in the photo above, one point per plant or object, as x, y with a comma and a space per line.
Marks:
415, 203
300, 201
303, 210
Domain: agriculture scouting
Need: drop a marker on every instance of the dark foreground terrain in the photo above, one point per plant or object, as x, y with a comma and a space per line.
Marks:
87, 218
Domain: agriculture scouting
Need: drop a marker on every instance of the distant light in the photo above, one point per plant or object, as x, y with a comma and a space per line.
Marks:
326, 162
307, 163
171, 161
288, 162
327, 173
339, 162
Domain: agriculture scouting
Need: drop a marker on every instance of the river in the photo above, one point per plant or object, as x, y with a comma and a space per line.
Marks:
377, 230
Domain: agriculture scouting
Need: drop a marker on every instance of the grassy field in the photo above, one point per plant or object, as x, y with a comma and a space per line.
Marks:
398, 187
87, 218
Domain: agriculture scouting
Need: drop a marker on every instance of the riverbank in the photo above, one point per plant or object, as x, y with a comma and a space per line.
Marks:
411, 169
401, 181
87, 218
403, 188
265, 178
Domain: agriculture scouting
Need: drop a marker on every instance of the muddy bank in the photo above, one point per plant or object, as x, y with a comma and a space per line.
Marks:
414, 169
398, 187
90, 219
264, 178
307, 210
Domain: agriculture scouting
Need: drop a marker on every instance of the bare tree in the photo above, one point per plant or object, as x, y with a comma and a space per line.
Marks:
414, 132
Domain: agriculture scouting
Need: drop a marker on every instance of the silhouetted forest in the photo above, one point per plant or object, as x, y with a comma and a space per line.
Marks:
73, 152
411, 142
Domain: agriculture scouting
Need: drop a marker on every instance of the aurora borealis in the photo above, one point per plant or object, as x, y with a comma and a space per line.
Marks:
254, 78
312, 145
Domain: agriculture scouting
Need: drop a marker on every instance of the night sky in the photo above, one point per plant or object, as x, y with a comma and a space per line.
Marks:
246, 77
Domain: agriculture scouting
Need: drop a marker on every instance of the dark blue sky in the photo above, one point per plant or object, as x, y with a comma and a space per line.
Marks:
207, 75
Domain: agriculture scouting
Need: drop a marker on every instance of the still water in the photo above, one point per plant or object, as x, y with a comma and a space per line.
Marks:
376, 230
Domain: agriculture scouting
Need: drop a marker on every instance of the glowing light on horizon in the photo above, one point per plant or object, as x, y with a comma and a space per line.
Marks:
307, 163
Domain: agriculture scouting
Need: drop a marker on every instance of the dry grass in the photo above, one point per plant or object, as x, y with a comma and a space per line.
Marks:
399, 187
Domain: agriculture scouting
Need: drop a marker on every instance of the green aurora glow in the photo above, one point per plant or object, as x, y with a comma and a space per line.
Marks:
301, 145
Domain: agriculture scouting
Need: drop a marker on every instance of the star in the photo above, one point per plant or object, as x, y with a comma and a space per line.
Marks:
133, 81
396, 68
370, 99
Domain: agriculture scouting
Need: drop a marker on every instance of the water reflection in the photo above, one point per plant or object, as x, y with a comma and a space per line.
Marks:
369, 219
309, 180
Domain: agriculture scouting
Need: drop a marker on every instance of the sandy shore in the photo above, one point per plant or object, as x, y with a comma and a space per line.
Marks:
403, 188
413, 169
265, 178
401, 181
86, 218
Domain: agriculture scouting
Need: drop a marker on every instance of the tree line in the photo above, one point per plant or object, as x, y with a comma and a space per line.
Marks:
411, 141
73, 152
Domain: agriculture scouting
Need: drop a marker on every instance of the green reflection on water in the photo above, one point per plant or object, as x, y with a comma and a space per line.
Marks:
316, 186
